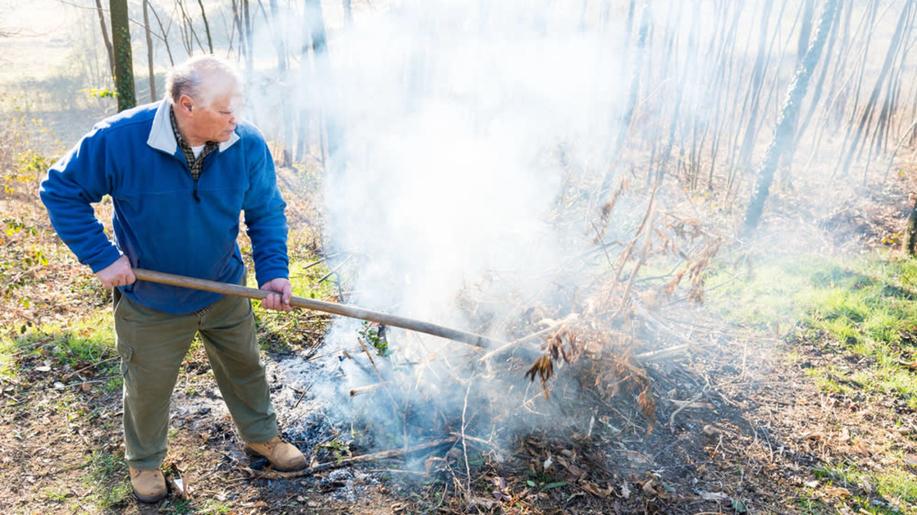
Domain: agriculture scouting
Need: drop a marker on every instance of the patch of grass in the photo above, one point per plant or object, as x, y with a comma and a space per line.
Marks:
898, 484
179, 506
868, 306
893, 486
829, 380
811, 506
212, 506
113, 384
76, 344
107, 475
90, 339
283, 332
55, 495
7, 357
846, 475
774, 292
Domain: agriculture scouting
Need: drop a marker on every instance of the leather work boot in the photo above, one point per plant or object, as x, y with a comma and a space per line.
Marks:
149, 484
282, 455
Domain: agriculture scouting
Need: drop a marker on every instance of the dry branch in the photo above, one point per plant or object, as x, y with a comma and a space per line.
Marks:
662, 353
363, 458
359, 390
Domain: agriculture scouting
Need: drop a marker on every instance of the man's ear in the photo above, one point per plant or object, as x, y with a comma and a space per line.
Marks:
186, 103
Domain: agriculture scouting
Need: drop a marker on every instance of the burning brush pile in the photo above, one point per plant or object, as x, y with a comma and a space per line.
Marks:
566, 367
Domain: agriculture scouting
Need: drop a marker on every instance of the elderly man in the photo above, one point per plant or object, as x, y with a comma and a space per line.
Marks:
180, 172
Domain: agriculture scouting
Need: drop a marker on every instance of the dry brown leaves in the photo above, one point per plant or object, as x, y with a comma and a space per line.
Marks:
611, 371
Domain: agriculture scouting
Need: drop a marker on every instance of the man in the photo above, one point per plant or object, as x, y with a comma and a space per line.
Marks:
180, 172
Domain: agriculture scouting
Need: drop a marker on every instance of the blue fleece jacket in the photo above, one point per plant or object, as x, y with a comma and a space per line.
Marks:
157, 222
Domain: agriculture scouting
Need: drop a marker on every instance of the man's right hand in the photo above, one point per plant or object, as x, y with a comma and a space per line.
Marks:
118, 273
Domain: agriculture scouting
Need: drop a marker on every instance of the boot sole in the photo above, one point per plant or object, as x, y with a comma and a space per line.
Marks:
150, 499
254, 454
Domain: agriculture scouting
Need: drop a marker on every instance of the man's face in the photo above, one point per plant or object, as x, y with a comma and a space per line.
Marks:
215, 122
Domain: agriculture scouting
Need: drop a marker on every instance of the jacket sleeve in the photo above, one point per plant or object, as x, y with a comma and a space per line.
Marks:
265, 219
73, 183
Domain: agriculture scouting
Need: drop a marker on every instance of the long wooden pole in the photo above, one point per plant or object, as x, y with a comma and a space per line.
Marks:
320, 305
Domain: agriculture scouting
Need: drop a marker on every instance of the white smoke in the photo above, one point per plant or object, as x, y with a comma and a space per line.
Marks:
450, 115
458, 123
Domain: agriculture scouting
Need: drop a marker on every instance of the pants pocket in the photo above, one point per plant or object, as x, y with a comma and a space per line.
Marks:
126, 354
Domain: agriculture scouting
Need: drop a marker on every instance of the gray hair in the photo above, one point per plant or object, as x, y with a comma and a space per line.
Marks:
203, 78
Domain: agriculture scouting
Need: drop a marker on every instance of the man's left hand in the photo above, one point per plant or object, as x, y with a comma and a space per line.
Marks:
280, 298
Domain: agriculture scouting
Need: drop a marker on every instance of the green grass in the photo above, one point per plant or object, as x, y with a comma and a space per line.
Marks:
76, 344
897, 484
55, 495
774, 292
894, 485
213, 506
283, 332
108, 478
867, 307
828, 380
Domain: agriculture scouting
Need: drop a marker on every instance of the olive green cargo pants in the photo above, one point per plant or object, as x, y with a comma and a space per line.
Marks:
152, 346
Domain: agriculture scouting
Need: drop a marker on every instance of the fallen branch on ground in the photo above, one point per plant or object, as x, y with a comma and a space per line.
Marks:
662, 353
364, 458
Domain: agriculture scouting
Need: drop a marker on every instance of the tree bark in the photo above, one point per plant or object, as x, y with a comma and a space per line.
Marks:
200, 3
786, 125
910, 239
149, 50
105, 38
121, 45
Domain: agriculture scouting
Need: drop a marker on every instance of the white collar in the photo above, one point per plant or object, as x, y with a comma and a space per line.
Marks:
162, 137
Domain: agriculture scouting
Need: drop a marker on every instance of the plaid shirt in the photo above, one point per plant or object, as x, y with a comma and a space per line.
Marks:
195, 164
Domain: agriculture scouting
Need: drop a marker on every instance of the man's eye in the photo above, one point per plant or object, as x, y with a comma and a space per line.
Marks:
227, 113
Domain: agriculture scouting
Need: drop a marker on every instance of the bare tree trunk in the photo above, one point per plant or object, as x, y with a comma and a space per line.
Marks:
624, 122
247, 29
348, 12
105, 38
753, 96
910, 238
869, 109
200, 3
149, 50
188, 29
121, 45
163, 31
316, 24
805, 31
286, 116
786, 126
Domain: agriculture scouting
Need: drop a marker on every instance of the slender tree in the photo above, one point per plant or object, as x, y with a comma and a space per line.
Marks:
121, 45
910, 238
105, 38
786, 125
165, 33
348, 12
315, 21
281, 49
200, 3
149, 49
868, 111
